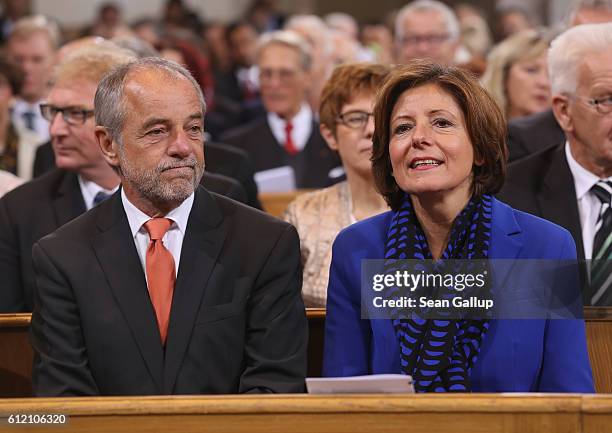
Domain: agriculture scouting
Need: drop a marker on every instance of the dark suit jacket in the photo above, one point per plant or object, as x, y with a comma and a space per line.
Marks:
237, 322
311, 166
542, 185
531, 134
220, 159
38, 208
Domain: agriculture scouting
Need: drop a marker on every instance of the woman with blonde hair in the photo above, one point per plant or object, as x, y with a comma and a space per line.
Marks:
516, 74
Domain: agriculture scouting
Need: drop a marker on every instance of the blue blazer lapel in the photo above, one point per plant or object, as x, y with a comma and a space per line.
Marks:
506, 242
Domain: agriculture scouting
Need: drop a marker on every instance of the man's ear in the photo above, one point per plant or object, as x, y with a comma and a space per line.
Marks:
107, 145
561, 109
329, 136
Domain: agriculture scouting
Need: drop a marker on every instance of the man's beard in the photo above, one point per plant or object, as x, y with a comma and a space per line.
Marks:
152, 187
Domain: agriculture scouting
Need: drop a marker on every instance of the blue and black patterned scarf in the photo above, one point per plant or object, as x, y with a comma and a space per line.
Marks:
439, 354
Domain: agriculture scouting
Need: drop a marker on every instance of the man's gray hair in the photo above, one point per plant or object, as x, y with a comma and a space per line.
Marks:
289, 39
567, 51
452, 23
109, 103
577, 5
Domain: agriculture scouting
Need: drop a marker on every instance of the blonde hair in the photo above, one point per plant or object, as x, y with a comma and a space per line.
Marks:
91, 63
523, 46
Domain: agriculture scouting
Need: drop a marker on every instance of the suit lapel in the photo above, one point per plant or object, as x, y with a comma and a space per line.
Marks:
117, 254
557, 199
68, 201
201, 246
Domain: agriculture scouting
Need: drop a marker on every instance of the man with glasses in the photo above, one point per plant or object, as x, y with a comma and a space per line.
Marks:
571, 185
83, 179
426, 29
289, 135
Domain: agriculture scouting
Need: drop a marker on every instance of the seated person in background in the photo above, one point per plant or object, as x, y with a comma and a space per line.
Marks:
347, 126
439, 153
289, 134
82, 179
516, 74
165, 288
571, 184
17, 143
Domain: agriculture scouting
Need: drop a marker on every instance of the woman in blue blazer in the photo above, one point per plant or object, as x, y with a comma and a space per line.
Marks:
439, 153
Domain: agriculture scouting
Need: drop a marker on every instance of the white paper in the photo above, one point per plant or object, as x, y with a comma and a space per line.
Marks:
279, 179
372, 384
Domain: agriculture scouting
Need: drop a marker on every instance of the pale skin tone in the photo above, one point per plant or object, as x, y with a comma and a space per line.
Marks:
75, 146
427, 125
355, 149
588, 132
284, 82
163, 128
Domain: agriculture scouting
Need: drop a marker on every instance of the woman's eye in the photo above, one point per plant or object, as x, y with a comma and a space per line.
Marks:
442, 123
400, 129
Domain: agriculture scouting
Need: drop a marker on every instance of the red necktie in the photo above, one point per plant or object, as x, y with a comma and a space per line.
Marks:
160, 273
289, 146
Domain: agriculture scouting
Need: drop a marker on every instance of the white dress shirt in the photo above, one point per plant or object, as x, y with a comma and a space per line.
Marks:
589, 205
41, 126
90, 189
302, 127
172, 240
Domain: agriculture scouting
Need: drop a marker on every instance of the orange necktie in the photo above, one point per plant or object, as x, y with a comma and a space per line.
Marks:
160, 273
289, 146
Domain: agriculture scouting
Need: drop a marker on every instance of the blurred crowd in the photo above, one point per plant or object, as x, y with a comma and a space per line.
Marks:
506, 50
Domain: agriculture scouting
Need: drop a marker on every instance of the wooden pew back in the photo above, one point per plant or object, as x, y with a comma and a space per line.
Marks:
16, 351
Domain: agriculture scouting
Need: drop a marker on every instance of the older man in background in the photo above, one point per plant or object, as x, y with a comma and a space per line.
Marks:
571, 184
426, 29
32, 45
288, 137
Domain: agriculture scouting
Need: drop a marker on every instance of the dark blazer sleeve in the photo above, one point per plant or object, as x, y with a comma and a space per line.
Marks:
277, 330
566, 367
60, 362
11, 293
347, 338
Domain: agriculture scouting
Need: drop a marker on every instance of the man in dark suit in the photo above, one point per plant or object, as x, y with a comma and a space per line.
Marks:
39, 207
165, 288
289, 134
222, 161
531, 134
570, 184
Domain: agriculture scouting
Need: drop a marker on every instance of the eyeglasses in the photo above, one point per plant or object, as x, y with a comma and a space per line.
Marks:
71, 115
355, 119
433, 39
602, 105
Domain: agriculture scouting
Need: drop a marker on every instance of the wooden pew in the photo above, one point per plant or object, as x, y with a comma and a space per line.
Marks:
275, 203
430, 413
16, 352
15, 356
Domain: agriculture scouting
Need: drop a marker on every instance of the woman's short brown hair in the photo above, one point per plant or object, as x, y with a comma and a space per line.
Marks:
484, 122
346, 82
